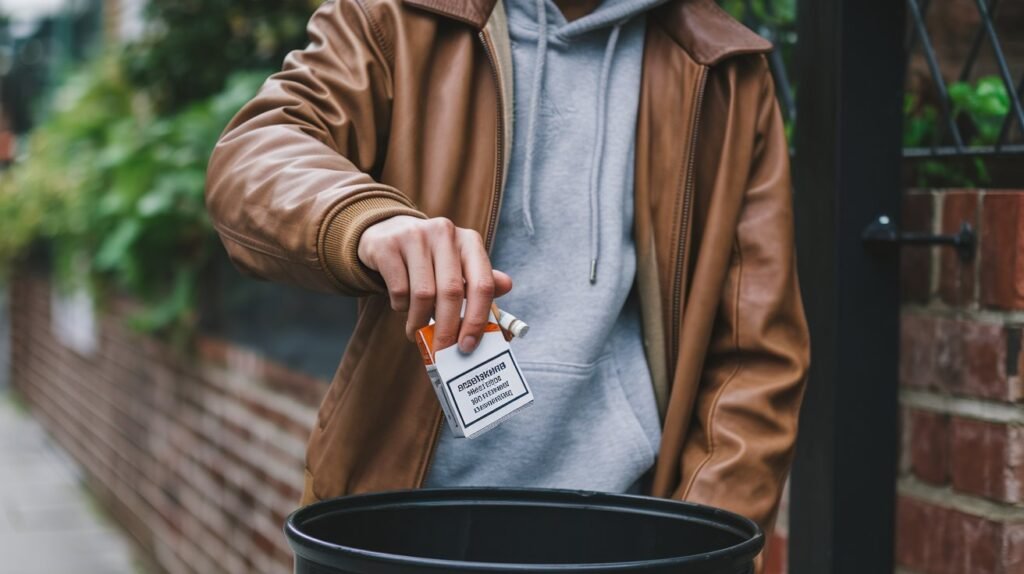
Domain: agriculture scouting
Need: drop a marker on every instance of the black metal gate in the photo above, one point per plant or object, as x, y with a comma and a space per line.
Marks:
860, 138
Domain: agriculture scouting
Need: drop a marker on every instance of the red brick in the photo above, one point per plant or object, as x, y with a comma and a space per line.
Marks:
1002, 242
988, 346
917, 350
931, 351
916, 533
938, 540
1013, 548
987, 459
950, 361
916, 261
956, 276
775, 557
964, 356
929, 446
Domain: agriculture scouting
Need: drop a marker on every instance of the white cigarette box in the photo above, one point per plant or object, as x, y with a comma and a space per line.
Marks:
479, 390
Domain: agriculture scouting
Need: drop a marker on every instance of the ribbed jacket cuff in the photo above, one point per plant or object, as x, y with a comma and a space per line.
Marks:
340, 244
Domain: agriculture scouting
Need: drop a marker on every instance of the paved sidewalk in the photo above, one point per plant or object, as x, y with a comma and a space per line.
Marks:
47, 522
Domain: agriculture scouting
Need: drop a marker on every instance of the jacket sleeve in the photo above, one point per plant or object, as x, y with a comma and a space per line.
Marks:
739, 449
288, 186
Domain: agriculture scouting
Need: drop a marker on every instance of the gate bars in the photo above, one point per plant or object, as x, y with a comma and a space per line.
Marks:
769, 18
918, 10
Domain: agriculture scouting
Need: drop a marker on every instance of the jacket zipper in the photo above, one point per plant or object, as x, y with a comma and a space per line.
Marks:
677, 286
492, 222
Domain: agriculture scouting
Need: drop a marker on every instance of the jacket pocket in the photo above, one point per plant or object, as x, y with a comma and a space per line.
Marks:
337, 388
340, 383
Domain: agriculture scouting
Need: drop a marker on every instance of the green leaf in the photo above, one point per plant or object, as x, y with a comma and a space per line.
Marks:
157, 201
993, 86
116, 246
960, 94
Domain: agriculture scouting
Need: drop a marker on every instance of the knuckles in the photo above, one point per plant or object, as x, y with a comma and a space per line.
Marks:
473, 326
399, 299
424, 231
483, 289
471, 235
423, 293
386, 240
452, 289
442, 225
444, 341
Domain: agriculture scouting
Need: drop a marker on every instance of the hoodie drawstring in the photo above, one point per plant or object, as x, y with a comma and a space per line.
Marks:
531, 125
595, 159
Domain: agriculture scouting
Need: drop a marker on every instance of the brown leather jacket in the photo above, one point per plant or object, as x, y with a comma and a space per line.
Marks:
404, 107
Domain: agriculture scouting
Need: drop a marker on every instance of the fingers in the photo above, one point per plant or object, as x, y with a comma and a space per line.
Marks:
396, 277
432, 268
417, 259
502, 283
476, 269
449, 289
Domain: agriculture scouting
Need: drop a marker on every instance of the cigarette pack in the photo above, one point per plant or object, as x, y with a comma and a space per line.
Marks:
478, 390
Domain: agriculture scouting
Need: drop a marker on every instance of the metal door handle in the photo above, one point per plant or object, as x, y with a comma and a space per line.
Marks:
883, 230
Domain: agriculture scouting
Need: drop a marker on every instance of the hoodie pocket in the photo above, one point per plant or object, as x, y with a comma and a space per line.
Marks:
604, 445
581, 433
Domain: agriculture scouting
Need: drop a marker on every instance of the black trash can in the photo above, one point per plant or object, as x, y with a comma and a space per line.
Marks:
518, 530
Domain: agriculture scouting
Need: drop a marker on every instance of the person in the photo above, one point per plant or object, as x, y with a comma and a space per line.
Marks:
624, 163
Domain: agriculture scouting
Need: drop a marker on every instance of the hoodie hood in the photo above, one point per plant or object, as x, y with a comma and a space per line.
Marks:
607, 14
701, 27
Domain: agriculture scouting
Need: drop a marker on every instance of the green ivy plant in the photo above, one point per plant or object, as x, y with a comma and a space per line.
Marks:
113, 178
44, 193
979, 110
119, 191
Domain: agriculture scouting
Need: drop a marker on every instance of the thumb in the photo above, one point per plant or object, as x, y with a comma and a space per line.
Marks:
502, 283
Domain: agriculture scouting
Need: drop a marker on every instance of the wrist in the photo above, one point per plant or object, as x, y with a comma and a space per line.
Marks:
340, 238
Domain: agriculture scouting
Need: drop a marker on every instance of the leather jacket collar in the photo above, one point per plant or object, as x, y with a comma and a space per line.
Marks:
701, 27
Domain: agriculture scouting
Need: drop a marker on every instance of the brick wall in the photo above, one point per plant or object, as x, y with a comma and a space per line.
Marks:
961, 483
198, 457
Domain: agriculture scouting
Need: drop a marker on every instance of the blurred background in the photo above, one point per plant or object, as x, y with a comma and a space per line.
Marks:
155, 404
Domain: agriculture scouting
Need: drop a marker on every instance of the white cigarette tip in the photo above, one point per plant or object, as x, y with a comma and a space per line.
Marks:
513, 324
518, 328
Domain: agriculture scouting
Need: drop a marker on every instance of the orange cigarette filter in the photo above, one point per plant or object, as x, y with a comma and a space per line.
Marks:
425, 340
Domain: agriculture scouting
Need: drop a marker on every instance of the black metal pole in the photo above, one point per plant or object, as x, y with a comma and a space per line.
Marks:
850, 71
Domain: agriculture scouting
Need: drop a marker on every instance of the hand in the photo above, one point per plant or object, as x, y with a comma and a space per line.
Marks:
430, 266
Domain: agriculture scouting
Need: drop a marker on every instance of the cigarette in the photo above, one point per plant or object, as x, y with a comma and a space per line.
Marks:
509, 322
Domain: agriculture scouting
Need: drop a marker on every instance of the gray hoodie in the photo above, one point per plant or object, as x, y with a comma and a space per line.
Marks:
565, 235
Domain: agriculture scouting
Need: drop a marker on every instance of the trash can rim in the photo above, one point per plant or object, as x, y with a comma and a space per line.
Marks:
316, 550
